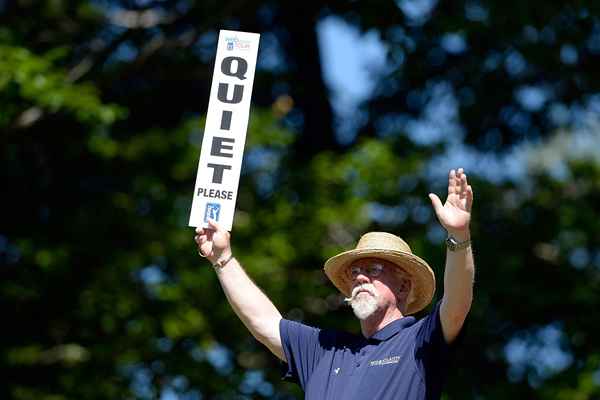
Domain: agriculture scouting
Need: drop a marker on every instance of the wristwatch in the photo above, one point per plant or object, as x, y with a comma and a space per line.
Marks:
454, 244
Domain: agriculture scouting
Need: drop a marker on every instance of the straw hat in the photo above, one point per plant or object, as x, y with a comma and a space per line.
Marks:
391, 248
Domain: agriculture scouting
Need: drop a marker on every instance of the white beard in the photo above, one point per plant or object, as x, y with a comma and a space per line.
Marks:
365, 304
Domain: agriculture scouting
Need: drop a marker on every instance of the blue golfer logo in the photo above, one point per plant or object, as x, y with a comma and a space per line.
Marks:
212, 211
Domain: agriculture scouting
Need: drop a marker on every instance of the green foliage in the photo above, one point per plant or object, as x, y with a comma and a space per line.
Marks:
35, 82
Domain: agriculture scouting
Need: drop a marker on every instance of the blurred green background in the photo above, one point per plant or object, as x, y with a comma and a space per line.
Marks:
359, 110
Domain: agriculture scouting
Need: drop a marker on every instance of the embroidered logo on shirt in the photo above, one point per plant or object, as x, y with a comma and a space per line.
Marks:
337, 371
385, 361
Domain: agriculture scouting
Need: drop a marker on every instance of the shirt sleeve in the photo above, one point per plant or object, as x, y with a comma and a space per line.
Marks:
302, 348
432, 353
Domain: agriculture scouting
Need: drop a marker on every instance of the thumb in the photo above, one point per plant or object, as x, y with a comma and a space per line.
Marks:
221, 236
213, 224
436, 202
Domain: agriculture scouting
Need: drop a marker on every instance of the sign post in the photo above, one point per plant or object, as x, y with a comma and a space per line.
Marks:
222, 149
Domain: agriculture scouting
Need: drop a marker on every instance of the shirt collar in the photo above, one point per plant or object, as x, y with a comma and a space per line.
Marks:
393, 328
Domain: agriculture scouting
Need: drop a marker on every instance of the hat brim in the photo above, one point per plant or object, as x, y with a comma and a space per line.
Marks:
423, 278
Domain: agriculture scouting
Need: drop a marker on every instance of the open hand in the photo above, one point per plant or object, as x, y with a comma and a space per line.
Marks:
455, 214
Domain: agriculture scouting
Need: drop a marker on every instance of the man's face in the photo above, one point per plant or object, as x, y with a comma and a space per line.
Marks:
376, 284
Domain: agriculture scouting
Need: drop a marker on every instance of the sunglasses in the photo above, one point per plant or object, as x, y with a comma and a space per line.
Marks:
371, 270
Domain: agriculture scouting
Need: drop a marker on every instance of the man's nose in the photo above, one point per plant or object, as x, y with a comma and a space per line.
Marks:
362, 278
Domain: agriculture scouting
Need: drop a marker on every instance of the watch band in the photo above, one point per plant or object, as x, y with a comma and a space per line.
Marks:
454, 245
221, 264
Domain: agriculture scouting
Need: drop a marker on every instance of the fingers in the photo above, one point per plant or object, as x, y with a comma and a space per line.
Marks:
211, 239
463, 189
205, 250
451, 182
436, 203
469, 198
212, 226
203, 243
201, 239
457, 182
462, 182
204, 232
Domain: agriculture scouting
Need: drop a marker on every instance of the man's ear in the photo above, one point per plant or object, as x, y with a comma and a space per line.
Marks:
403, 289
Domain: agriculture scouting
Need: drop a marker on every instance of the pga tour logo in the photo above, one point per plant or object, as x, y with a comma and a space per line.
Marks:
212, 211
235, 43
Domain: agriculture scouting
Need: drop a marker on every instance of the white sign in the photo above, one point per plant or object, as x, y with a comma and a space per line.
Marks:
220, 162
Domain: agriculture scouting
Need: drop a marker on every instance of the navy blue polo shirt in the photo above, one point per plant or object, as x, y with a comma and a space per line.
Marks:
407, 359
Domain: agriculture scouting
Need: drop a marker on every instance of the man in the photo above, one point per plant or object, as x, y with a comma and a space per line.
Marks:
396, 356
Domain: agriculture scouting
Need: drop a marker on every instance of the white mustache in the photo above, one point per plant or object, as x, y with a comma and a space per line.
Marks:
369, 287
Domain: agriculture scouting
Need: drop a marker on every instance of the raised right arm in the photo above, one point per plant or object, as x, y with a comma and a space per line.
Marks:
250, 304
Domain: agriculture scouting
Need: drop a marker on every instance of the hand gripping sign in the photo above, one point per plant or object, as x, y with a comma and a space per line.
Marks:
225, 131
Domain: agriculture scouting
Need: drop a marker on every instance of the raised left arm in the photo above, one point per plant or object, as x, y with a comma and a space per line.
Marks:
455, 216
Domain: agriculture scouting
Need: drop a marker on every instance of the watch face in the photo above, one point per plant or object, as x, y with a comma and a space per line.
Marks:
451, 243
454, 244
